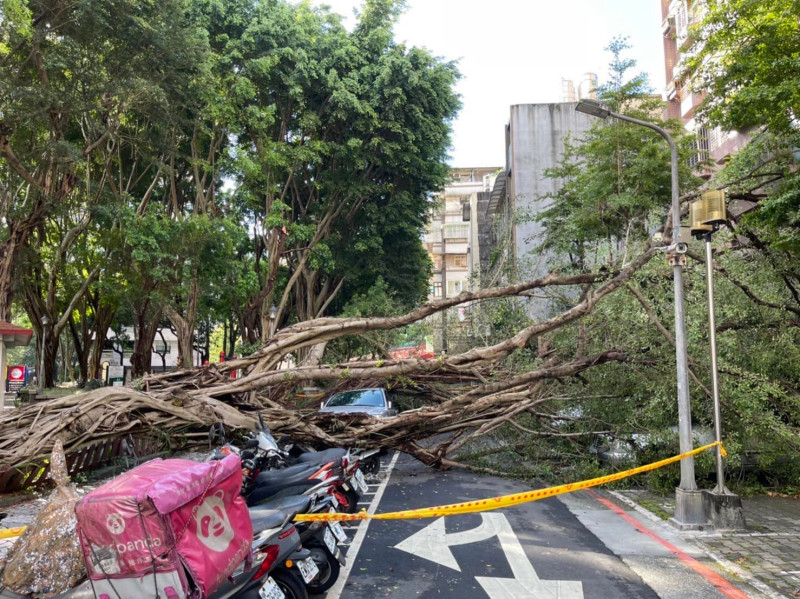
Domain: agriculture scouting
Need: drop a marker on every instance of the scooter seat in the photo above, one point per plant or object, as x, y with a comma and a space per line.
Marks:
320, 457
293, 504
272, 477
263, 518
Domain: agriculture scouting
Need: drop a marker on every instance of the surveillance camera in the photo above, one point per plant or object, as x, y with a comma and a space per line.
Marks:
658, 237
681, 248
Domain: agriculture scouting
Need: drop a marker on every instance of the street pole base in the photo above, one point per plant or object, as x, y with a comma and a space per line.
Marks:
724, 510
690, 513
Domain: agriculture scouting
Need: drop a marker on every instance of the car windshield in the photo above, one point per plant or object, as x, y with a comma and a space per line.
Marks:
364, 397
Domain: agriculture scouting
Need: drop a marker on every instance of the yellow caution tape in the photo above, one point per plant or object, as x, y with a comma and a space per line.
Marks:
492, 503
7, 533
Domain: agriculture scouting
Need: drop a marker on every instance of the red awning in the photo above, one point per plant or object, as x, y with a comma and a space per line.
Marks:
13, 335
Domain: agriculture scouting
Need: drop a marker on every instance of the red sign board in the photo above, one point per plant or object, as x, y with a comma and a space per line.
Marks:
16, 377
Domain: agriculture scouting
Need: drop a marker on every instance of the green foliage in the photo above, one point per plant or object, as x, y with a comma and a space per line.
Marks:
745, 54
616, 178
378, 301
341, 137
616, 187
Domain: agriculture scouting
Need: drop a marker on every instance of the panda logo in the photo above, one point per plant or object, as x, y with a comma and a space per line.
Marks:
115, 524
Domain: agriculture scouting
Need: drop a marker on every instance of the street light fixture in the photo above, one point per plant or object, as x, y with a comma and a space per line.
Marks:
593, 108
689, 510
273, 315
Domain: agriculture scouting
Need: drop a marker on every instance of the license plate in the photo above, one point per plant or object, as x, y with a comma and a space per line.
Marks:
330, 540
337, 529
308, 569
271, 590
360, 480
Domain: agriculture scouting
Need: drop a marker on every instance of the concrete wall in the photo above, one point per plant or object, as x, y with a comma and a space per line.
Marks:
536, 143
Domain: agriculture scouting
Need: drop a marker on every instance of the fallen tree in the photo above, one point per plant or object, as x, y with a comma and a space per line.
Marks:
186, 402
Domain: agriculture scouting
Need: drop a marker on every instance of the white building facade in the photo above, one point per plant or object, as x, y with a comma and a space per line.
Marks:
119, 347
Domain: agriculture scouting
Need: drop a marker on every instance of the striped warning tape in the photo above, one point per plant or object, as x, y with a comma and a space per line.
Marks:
480, 505
7, 533
492, 503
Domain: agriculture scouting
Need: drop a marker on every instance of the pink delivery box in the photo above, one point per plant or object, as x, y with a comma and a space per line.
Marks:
173, 529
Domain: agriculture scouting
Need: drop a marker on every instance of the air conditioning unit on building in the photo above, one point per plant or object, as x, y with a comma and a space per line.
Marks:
672, 91
668, 26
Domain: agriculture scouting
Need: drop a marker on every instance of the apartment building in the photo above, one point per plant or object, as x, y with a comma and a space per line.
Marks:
452, 237
682, 99
587, 88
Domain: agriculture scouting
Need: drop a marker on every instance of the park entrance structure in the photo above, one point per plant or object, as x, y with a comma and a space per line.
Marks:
10, 336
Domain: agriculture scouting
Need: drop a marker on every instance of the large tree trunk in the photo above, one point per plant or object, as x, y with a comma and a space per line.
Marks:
9, 252
184, 324
144, 335
50, 353
103, 315
81, 342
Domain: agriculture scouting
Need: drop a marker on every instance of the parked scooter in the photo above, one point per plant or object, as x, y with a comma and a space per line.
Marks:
270, 455
280, 566
320, 538
267, 473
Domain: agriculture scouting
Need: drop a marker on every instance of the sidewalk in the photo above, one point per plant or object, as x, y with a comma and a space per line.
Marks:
769, 550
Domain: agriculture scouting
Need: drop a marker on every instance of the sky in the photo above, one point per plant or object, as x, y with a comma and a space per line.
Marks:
517, 51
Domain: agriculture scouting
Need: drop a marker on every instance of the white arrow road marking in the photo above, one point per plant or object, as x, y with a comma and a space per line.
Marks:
433, 543
512, 588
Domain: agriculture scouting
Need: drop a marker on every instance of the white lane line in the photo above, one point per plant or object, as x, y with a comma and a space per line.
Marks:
335, 591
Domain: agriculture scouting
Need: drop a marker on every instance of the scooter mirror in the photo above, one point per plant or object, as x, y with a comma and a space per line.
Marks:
321, 405
261, 421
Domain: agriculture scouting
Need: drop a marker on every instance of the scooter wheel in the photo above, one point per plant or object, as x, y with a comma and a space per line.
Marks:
348, 501
328, 570
372, 464
290, 584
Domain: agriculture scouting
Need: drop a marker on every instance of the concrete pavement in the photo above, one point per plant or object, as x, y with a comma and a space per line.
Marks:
768, 552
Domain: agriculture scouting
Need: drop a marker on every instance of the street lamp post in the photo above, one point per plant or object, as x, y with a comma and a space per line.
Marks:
45, 322
273, 315
707, 215
689, 510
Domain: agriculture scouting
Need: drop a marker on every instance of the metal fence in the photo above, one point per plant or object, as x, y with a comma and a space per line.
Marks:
89, 458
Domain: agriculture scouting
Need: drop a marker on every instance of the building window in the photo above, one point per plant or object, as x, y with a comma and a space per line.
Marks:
457, 261
160, 347
437, 263
437, 290
715, 138
454, 288
456, 231
681, 22
702, 145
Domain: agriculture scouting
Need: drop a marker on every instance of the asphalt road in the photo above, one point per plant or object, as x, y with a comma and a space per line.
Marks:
477, 556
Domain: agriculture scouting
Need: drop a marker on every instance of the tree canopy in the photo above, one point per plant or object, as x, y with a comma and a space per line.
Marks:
217, 158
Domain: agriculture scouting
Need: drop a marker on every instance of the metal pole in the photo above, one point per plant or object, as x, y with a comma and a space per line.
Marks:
443, 275
712, 337
40, 374
681, 353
